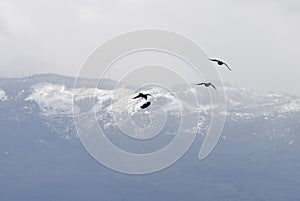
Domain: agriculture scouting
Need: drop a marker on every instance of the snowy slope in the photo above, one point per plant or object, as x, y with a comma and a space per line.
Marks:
55, 100
52, 97
3, 96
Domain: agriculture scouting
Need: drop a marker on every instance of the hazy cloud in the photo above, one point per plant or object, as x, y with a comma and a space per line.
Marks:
12, 22
258, 38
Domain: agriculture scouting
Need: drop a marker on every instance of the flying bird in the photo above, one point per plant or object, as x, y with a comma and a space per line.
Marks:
207, 84
220, 63
141, 95
145, 105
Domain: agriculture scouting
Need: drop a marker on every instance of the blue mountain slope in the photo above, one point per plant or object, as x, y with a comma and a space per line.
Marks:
41, 157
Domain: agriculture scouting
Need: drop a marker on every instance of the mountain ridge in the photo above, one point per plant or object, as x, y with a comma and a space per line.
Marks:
41, 155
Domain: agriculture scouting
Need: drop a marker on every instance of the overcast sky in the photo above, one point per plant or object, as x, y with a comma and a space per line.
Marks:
259, 39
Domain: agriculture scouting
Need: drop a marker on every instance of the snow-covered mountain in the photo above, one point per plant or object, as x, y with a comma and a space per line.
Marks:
51, 97
257, 154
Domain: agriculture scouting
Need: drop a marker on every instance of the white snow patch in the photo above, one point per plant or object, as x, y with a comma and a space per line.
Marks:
3, 96
293, 106
56, 100
291, 142
52, 99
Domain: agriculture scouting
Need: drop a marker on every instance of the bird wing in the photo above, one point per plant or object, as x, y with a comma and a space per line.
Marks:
217, 60
138, 96
213, 86
227, 66
146, 96
201, 83
214, 59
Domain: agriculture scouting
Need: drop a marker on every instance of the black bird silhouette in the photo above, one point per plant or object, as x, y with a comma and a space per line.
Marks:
220, 63
141, 95
207, 84
145, 105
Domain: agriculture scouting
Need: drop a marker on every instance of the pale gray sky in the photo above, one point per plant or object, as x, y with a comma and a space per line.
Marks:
259, 39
